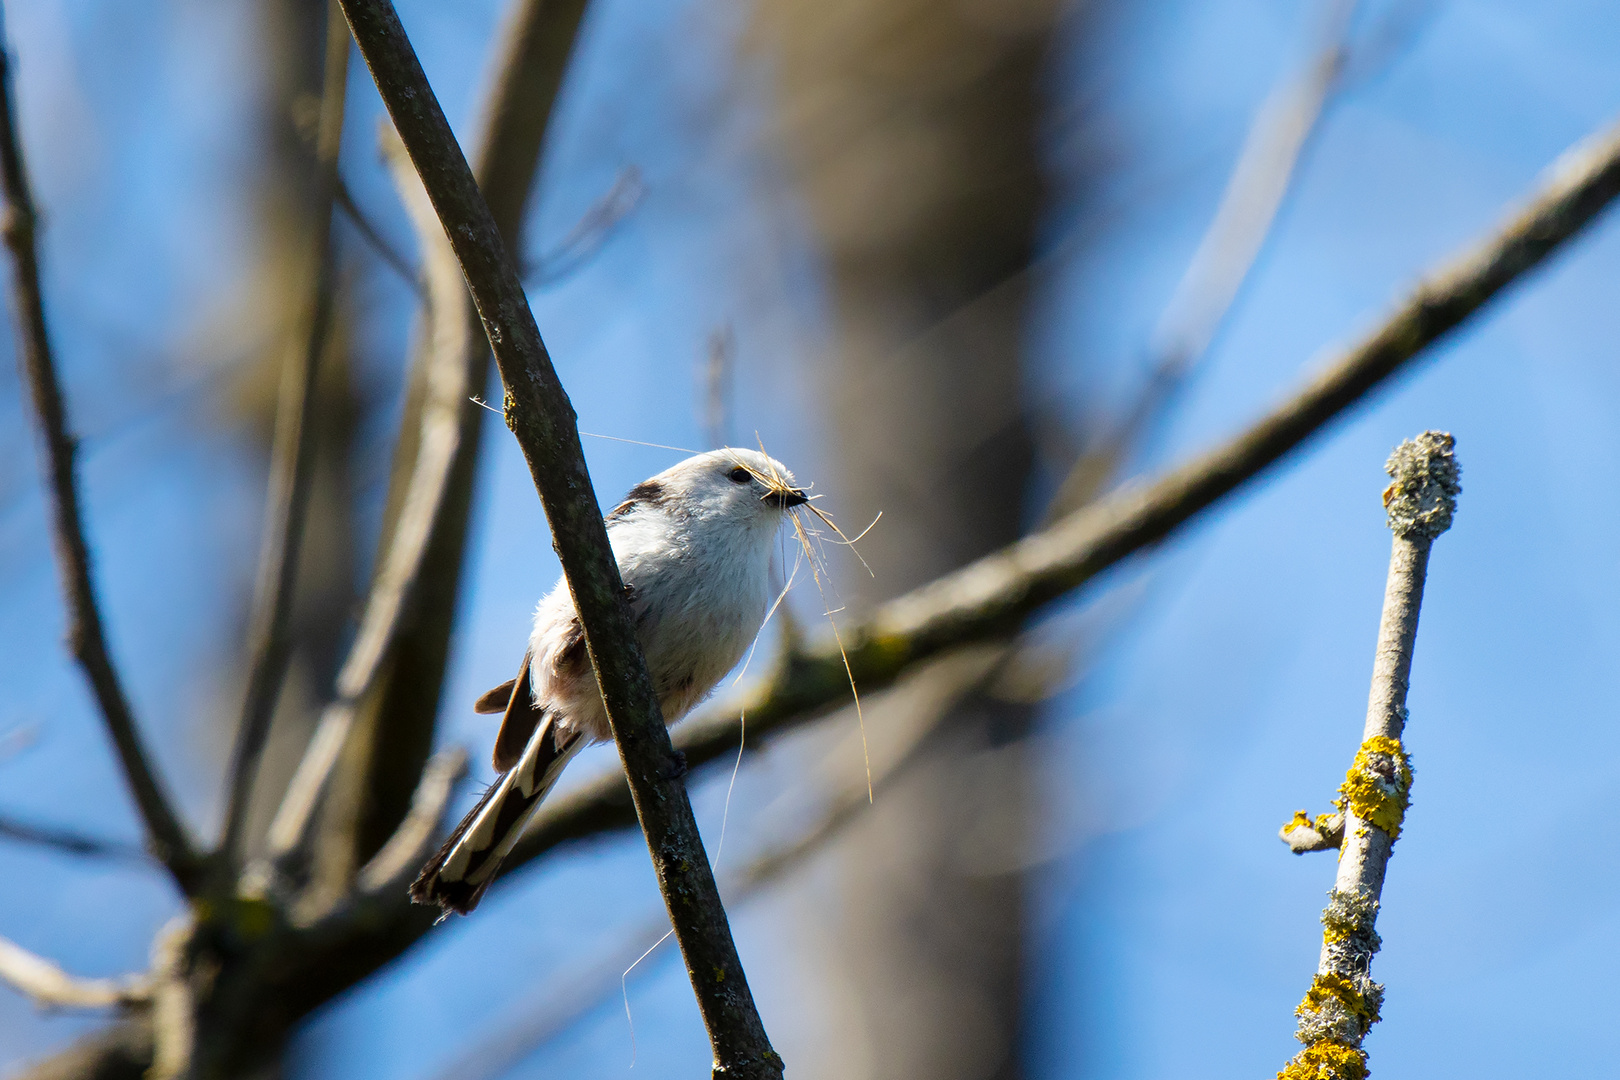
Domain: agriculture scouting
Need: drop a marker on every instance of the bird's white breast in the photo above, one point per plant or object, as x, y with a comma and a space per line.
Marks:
699, 591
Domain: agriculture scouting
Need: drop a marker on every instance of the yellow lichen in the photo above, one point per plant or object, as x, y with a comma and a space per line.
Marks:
1370, 793
1331, 987
1301, 820
1326, 1060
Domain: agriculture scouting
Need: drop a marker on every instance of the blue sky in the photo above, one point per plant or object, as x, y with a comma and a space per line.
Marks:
1175, 933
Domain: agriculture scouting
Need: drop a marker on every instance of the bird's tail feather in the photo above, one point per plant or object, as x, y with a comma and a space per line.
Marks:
455, 878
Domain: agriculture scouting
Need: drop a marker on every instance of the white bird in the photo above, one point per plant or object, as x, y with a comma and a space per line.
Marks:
693, 546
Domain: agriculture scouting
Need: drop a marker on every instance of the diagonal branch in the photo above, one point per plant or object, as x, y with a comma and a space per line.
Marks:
85, 634
51, 987
539, 414
991, 598
1254, 193
396, 664
292, 470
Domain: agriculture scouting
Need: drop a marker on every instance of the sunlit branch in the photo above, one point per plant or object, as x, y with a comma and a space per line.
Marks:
1226, 254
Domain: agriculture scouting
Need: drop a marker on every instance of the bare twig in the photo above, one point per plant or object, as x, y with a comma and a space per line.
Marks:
73, 843
1342, 1003
292, 468
539, 414
85, 634
576, 247
53, 988
590, 232
991, 597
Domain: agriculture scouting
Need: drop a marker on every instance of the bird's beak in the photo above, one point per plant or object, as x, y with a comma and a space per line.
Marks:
787, 498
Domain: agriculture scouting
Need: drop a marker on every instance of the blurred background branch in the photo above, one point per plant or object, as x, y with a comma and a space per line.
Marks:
990, 598
85, 635
53, 988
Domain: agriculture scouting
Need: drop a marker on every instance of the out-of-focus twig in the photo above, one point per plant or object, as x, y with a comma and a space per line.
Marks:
70, 842
590, 232
1254, 193
53, 988
540, 416
989, 598
292, 466
1342, 1003
369, 232
581, 242
719, 364
1255, 190
85, 634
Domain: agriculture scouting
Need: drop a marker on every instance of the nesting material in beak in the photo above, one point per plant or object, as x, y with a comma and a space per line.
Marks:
787, 498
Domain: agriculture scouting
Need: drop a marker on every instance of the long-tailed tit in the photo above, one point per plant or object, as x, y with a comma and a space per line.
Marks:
694, 548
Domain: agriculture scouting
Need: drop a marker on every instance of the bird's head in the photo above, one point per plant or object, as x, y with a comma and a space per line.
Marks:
745, 487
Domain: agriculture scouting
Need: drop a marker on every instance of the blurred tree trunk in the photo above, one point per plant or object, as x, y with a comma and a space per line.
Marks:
911, 129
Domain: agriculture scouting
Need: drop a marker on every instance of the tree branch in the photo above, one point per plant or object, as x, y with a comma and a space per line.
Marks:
397, 661
991, 598
539, 414
85, 634
51, 987
1342, 1003
292, 469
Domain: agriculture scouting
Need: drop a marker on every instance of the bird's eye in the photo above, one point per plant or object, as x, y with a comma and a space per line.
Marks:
740, 475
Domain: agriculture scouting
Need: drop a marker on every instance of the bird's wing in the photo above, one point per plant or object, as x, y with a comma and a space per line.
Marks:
496, 700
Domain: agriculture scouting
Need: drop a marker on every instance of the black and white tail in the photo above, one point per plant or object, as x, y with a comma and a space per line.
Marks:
455, 878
